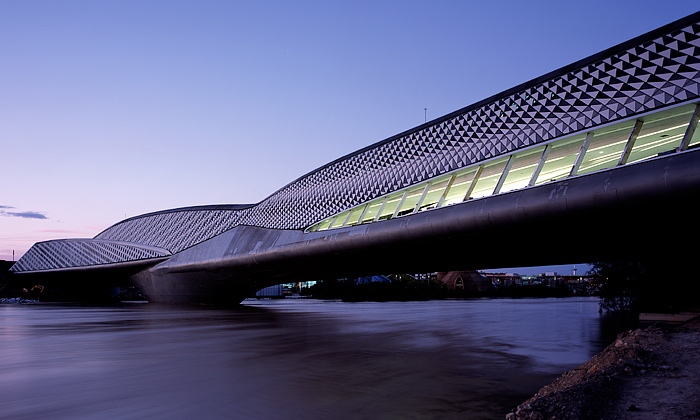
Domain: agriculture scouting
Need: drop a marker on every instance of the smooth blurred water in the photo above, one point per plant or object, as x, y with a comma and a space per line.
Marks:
289, 359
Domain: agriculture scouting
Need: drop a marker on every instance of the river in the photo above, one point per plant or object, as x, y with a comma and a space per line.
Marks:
289, 358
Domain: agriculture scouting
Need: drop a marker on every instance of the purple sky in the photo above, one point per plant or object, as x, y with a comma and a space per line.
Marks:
117, 108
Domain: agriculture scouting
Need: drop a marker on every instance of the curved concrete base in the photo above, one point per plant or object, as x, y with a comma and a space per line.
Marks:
644, 209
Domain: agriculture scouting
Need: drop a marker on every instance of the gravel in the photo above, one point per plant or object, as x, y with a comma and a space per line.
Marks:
651, 373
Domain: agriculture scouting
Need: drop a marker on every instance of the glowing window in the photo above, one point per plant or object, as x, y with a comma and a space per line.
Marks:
411, 199
338, 222
522, 169
489, 178
606, 148
372, 209
434, 193
695, 141
354, 216
460, 186
661, 133
390, 206
560, 160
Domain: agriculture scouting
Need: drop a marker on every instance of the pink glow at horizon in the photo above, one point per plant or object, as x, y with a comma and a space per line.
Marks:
113, 109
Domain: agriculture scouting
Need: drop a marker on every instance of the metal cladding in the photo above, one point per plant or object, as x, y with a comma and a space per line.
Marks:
66, 253
655, 71
174, 230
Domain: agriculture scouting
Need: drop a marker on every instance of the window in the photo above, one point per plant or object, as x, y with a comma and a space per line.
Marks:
606, 148
560, 159
661, 133
458, 190
434, 193
522, 169
599, 149
489, 178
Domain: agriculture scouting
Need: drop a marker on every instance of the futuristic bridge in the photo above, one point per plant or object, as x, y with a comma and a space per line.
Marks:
597, 159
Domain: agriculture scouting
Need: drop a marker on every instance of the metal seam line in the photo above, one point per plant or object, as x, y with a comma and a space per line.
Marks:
690, 130
582, 153
540, 165
504, 175
630, 142
398, 208
473, 183
381, 208
422, 197
446, 191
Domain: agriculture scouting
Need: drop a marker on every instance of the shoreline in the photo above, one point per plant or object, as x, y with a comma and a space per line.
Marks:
650, 373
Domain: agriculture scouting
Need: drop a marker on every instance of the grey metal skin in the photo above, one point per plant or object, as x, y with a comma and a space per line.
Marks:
644, 210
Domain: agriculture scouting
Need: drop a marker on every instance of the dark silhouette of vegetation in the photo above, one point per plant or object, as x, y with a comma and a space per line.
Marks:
401, 288
646, 286
405, 287
7, 289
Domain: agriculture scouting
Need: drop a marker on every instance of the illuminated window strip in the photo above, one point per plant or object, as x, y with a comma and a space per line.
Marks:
422, 189
690, 131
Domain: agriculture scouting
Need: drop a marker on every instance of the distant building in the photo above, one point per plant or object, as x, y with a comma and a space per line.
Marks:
371, 279
582, 284
470, 281
504, 279
426, 276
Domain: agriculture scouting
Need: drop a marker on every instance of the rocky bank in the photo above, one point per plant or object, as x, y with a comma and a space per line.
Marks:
651, 373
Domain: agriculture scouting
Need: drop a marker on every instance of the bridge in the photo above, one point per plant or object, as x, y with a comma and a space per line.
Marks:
597, 159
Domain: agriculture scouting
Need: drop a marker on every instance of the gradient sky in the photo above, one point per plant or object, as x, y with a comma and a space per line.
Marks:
110, 109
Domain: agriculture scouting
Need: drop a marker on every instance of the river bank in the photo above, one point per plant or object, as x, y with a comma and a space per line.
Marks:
651, 373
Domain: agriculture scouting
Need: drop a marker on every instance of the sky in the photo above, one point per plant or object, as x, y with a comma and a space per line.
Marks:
111, 109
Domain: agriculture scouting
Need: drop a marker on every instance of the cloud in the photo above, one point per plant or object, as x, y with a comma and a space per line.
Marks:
27, 215
5, 207
22, 214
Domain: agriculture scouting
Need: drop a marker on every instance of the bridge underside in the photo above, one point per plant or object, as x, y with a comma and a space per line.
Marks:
644, 210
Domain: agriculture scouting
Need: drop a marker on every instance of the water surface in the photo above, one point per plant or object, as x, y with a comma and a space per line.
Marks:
289, 359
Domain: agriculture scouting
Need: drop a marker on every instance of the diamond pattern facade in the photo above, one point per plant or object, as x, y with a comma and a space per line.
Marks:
174, 230
657, 72
81, 253
654, 71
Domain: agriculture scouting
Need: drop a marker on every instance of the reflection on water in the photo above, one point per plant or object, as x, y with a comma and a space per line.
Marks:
289, 359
